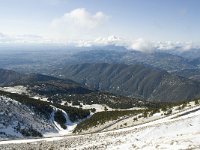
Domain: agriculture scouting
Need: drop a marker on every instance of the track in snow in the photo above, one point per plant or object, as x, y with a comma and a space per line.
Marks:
178, 131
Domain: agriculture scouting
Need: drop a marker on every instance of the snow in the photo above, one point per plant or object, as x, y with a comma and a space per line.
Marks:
178, 131
15, 89
13, 113
22, 90
9, 130
70, 125
166, 133
61, 132
98, 107
172, 132
30, 140
40, 98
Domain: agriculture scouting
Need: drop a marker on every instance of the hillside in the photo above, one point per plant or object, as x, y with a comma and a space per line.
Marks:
133, 80
23, 117
193, 74
8, 76
66, 91
177, 131
41, 84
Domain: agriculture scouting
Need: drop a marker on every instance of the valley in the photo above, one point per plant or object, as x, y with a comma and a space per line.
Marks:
101, 102
99, 75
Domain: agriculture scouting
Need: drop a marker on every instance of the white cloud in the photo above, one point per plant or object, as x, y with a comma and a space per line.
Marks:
81, 18
79, 23
5, 38
138, 44
14, 39
142, 45
149, 46
181, 46
102, 41
2, 35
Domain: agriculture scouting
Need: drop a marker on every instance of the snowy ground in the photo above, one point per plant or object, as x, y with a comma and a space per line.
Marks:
128, 121
15, 89
178, 131
21, 90
61, 132
98, 107
15, 116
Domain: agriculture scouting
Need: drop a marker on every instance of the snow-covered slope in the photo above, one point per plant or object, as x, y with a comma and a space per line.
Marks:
60, 131
19, 89
15, 89
18, 120
178, 131
15, 118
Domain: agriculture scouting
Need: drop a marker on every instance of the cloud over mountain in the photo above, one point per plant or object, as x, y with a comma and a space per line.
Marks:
149, 46
139, 44
142, 45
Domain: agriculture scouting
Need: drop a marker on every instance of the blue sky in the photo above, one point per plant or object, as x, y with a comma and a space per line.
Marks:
65, 20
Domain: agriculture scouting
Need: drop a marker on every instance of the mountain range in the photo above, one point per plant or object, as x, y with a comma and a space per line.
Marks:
39, 61
137, 80
162, 60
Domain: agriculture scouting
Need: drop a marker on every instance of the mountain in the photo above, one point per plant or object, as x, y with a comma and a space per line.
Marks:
193, 74
196, 62
8, 76
22, 117
105, 99
41, 84
134, 81
44, 61
22, 121
160, 60
193, 55
190, 54
62, 91
11, 77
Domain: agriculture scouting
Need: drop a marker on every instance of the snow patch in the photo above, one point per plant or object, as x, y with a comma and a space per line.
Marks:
70, 125
15, 89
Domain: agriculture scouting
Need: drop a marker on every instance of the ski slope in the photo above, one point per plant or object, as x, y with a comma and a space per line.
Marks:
178, 131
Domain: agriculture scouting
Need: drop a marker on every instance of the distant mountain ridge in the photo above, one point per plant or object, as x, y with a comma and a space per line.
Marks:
133, 80
193, 74
60, 91
162, 60
44, 62
8, 76
36, 83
